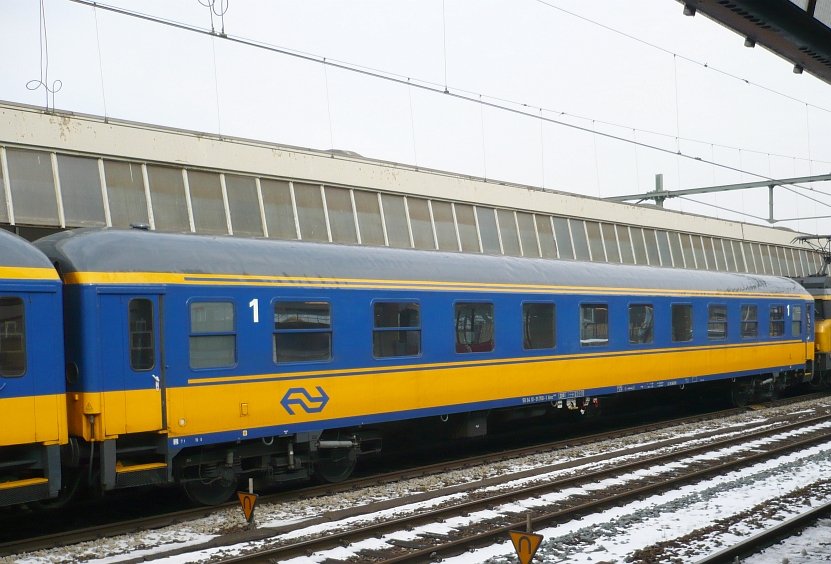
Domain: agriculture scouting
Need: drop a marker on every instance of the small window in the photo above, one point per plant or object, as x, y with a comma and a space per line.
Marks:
213, 343
474, 327
397, 329
302, 331
538, 326
682, 323
142, 334
717, 322
796, 321
12, 338
777, 320
594, 325
641, 323
750, 323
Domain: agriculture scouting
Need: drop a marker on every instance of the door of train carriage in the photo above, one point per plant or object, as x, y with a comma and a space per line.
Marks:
131, 348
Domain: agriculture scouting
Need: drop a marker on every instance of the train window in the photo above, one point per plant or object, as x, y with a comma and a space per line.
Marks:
682, 323
717, 322
12, 337
641, 323
397, 329
474, 327
302, 331
213, 342
538, 326
750, 323
822, 309
142, 334
777, 320
594, 325
796, 321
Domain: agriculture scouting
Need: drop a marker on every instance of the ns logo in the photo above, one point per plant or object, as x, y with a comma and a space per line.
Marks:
301, 398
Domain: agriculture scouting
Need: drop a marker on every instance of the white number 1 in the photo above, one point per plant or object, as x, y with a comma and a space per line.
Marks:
255, 306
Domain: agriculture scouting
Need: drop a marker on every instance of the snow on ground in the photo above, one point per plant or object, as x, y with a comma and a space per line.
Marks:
611, 535
812, 546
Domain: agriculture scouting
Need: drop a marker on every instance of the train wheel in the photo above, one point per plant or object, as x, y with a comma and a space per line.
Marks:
741, 392
211, 492
74, 483
336, 464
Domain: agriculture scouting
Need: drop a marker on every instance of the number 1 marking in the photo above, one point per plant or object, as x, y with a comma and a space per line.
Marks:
255, 307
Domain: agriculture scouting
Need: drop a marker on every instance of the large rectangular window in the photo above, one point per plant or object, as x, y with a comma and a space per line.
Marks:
750, 323
142, 334
125, 193
777, 320
32, 187
81, 191
341, 215
207, 203
717, 322
302, 331
12, 337
213, 342
796, 321
243, 205
538, 326
594, 325
641, 323
474, 327
682, 323
167, 193
396, 329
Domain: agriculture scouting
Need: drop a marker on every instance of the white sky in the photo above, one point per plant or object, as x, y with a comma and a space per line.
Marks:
764, 119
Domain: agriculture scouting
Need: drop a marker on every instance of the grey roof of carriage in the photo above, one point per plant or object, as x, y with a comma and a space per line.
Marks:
111, 250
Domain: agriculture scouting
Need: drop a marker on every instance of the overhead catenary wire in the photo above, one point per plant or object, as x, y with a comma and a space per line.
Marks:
492, 102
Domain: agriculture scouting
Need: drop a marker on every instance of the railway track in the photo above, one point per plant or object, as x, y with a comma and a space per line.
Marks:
476, 501
483, 533
97, 531
768, 537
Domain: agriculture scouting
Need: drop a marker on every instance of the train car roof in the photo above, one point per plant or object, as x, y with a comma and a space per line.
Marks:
140, 251
18, 252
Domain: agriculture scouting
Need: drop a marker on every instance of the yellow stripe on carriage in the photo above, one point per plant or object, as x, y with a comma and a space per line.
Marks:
138, 278
249, 404
27, 273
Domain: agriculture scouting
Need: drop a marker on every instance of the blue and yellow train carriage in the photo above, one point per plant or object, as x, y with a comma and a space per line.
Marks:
201, 360
32, 400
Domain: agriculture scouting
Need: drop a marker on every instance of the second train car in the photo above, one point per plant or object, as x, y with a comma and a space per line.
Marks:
202, 360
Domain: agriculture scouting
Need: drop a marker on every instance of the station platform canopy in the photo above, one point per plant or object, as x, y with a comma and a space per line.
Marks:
797, 30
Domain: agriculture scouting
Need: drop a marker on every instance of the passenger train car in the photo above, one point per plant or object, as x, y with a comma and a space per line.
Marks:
201, 360
32, 402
